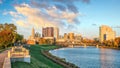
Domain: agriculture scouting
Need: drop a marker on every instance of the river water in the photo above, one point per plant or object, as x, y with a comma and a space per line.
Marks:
90, 57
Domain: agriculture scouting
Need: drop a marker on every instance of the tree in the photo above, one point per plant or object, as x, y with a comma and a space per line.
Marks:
7, 34
47, 41
18, 37
117, 40
6, 37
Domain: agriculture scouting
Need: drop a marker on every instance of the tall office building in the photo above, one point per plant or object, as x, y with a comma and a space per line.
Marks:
56, 32
71, 36
37, 34
65, 36
106, 33
48, 32
78, 37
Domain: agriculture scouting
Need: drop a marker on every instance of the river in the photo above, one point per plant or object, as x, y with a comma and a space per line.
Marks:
90, 57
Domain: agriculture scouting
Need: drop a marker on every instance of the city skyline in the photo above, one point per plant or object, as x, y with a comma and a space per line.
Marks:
80, 16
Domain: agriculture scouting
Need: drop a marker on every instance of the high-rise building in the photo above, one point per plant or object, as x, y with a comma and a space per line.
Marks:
37, 34
106, 33
48, 32
32, 36
71, 36
65, 36
56, 32
31, 39
78, 37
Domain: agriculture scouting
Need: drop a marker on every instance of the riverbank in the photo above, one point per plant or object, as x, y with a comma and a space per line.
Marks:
58, 60
116, 48
90, 57
38, 60
41, 58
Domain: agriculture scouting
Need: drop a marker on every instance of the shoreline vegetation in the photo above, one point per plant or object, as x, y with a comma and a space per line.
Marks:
41, 58
115, 48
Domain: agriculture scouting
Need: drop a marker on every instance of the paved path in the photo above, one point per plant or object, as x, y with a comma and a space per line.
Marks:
2, 57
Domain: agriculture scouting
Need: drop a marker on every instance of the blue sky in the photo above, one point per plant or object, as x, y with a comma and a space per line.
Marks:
80, 16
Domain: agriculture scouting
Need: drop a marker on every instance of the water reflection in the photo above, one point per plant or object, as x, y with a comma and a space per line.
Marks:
90, 57
106, 58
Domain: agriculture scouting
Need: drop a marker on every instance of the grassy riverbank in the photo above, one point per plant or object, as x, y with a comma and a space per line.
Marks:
38, 60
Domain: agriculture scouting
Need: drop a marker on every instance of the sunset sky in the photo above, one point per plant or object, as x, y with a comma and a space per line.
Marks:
79, 16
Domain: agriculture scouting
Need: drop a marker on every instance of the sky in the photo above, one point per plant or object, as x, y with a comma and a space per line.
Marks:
79, 16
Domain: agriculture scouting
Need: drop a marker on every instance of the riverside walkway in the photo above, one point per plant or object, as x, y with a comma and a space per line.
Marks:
2, 58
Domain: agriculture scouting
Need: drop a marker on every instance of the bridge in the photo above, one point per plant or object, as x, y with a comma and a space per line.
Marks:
76, 44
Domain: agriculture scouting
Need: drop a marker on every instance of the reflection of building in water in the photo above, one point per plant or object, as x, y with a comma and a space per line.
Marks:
105, 57
102, 58
106, 33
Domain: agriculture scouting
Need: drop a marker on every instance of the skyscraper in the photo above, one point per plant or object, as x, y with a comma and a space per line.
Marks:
71, 36
65, 36
56, 32
33, 33
106, 33
48, 32
31, 39
32, 36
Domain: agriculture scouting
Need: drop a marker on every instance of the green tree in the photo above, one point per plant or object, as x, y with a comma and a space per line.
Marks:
19, 37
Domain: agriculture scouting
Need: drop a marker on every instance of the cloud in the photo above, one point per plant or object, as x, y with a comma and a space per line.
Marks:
68, 16
14, 14
94, 24
43, 13
115, 26
27, 16
51, 17
0, 1
21, 23
86, 1
61, 5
